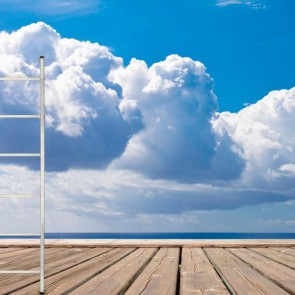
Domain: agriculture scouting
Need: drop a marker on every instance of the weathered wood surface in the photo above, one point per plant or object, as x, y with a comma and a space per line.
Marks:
62, 282
198, 275
237, 243
278, 256
280, 274
239, 277
289, 251
118, 277
160, 275
184, 270
69, 259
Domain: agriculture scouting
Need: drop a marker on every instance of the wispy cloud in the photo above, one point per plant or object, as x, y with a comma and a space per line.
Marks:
53, 7
255, 4
278, 222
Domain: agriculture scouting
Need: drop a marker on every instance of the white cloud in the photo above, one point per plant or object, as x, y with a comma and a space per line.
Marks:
80, 100
288, 224
265, 134
177, 103
98, 200
288, 169
88, 90
255, 4
156, 128
53, 7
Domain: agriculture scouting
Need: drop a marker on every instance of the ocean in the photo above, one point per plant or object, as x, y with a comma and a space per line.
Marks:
171, 235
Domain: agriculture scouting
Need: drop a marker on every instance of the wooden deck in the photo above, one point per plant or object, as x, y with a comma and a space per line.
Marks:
132, 267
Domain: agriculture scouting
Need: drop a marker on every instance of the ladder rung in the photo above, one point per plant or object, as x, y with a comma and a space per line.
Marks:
19, 116
19, 196
20, 78
19, 155
19, 234
19, 271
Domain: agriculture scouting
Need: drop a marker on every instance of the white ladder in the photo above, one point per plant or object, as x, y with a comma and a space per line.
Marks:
41, 155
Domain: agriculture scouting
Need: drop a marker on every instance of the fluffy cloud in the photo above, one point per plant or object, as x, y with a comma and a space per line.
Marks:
95, 105
84, 124
177, 104
265, 134
137, 143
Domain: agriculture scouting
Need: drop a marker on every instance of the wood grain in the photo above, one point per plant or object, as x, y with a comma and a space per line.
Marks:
65, 281
276, 272
15, 282
216, 243
160, 275
84, 269
278, 256
198, 275
118, 277
240, 277
289, 251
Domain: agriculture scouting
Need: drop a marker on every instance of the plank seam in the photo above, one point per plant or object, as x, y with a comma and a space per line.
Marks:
34, 282
98, 272
278, 283
132, 280
220, 274
270, 258
277, 250
179, 271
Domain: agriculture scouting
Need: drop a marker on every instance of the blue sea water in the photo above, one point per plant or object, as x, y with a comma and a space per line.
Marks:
178, 235
170, 235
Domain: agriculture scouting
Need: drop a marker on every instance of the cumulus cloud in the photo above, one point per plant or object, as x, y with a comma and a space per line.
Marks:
84, 124
95, 106
177, 104
265, 134
132, 144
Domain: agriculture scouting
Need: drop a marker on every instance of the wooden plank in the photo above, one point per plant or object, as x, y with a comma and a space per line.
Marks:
280, 257
282, 275
217, 243
198, 275
19, 281
160, 275
30, 264
26, 261
116, 279
10, 249
12, 255
239, 277
65, 281
68, 272
289, 251
16, 281
70, 261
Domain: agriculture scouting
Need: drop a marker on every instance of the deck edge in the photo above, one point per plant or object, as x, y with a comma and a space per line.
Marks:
148, 243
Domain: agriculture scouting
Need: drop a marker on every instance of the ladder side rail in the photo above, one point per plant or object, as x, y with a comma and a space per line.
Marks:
42, 173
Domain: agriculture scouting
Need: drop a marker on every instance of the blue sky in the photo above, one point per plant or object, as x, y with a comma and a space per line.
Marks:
247, 48
173, 115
